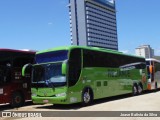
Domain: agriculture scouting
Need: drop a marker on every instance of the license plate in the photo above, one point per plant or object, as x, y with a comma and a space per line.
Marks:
45, 101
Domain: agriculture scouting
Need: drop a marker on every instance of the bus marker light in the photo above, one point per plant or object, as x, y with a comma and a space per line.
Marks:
60, 94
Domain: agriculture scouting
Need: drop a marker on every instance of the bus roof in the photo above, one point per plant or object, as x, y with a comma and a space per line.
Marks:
153, 59
85, 47
17, 51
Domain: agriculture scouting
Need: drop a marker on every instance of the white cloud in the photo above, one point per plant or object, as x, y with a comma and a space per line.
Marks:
50, 23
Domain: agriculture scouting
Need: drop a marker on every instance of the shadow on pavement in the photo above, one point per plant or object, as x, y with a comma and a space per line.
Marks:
95, 102
8, 107
75, 106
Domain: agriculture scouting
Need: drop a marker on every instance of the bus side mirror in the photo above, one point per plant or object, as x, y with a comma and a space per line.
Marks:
26, 70
64, 68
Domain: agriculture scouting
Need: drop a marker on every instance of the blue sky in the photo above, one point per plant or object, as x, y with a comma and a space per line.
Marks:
43, 24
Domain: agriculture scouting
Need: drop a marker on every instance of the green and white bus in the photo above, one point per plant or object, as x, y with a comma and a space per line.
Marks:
76, 74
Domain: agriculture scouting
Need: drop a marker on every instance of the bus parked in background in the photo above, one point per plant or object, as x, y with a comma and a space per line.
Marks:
76, 74
153, 69
14, 88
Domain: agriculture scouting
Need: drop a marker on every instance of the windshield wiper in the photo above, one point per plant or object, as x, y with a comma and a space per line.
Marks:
48, 83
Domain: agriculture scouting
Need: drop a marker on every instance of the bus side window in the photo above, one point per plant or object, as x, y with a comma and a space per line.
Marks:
99, 59
88, 59
5, 74
1, 76
74, 66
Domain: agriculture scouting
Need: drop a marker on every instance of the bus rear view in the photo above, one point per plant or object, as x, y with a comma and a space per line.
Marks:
14, 88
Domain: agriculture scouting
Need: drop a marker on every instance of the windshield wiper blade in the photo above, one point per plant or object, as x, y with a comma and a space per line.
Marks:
48, 83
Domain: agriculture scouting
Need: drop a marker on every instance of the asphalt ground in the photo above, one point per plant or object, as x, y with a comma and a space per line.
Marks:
103, 109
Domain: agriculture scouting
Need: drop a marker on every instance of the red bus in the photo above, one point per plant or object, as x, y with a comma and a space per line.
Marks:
14, 88
153, 69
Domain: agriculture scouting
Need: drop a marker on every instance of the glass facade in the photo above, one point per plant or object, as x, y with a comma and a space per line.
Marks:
94, 23
109, 3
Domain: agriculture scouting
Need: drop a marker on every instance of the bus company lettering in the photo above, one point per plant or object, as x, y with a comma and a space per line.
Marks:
117, 73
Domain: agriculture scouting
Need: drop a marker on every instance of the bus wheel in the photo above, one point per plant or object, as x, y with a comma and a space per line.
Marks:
87, 96
17, 100
134, 89
140, 88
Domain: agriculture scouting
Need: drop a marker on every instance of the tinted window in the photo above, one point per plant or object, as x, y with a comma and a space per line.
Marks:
5, 74
52, 56
74, 66
102, 59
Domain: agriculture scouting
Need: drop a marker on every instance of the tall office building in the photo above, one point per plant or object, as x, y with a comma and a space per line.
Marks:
145, 51
93, 23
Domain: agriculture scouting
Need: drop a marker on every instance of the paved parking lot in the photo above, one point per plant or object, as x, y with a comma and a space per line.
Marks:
145, 102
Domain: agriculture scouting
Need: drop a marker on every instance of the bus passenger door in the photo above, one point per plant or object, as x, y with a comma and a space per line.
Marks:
109, 87
157, 74
98, 89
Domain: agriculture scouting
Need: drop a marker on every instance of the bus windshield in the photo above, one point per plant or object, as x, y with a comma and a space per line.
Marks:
53, 56
49, 75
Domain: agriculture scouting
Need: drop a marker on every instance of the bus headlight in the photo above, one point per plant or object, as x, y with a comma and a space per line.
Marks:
60, 94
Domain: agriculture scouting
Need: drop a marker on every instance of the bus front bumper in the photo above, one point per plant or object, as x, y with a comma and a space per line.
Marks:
49, 100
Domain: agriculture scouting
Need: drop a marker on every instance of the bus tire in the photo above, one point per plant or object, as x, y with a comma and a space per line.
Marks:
17, 100
140, 88
134, 89
87, 96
